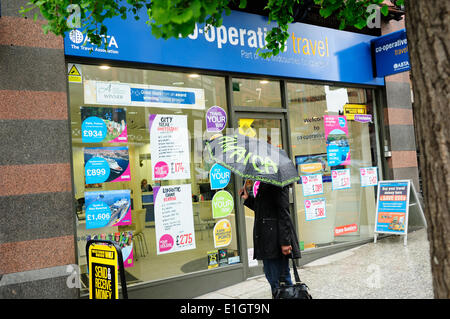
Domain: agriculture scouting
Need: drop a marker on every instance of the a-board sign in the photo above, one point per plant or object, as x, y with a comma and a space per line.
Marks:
104, 258
393, 206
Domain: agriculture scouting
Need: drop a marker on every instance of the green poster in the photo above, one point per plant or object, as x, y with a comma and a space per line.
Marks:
222, 204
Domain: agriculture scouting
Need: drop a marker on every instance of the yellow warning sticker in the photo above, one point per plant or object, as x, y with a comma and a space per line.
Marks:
74, 75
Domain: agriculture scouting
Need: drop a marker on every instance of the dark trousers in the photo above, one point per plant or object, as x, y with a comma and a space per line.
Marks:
274, 268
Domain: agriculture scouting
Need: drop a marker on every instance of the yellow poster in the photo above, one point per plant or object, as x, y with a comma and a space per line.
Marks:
222, 233
103, 275
245, 127
350, 110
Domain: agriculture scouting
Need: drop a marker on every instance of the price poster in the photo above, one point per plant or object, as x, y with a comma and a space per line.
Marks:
106, 164
336, 135
103, 272
392, 207
340, 179
315, 208
174, 219
103, 125
107, 208
169, 147
312, 185
369, 176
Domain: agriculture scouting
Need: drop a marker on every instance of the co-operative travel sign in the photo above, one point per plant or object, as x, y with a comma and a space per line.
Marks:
391, 53
312, 52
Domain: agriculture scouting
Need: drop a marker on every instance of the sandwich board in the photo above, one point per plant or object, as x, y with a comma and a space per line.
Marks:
103, 259
395, 202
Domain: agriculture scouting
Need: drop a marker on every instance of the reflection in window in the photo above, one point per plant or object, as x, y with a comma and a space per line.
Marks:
256, 93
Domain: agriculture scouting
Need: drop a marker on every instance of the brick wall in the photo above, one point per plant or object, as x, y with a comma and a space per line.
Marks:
398, 117
37, 219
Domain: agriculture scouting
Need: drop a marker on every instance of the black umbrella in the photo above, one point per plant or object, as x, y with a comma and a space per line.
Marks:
253, 159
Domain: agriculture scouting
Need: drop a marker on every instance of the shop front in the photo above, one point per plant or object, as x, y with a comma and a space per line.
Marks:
142, 109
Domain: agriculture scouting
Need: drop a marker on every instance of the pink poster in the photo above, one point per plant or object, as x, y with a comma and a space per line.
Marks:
336, 135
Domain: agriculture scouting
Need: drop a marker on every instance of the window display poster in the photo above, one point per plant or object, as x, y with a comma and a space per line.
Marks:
174, 219
313, 164
219, 176
213, 259
216, 119
103, 125
223, 257
107, 208
392, 207
346, 229
369, 176
315, 208
222, 204
336, 136
169, 147
106, 164
142, 95
340, 179
312, 185
222, 233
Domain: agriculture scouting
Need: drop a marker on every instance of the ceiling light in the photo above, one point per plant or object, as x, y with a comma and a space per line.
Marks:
193, 75
177, 83
104, 67
263, 81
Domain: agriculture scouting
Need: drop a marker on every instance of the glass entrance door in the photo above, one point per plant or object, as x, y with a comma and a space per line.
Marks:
269, 127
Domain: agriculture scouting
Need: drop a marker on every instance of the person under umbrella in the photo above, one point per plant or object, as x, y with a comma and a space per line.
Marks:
274, 236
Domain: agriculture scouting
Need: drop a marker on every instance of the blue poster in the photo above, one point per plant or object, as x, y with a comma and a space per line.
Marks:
107, 208
106, 164
219, 176
392, 207
103, 125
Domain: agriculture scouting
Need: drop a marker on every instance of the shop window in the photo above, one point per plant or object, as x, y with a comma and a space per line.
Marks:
137, 142
256, 93
333, 203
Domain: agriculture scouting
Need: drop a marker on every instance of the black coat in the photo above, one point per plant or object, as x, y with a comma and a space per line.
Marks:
272, 227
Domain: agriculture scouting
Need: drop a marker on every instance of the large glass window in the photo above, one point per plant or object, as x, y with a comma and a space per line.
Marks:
256, 93
338, 153
137, 140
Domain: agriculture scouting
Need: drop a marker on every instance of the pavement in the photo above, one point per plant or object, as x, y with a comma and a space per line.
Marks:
385, 270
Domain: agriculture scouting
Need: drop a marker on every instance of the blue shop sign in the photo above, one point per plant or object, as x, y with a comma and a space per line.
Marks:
312, 52
391, 53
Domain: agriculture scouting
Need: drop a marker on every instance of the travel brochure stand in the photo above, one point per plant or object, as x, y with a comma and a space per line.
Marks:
395, 202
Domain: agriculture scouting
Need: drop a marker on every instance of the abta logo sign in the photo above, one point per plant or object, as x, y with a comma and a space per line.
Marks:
76, 36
